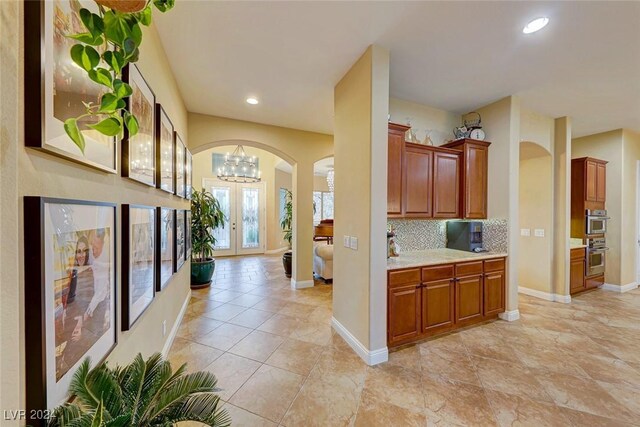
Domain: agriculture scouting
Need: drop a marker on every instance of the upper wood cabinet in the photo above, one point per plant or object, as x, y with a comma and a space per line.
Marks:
446, 185
418, 184
394, 169
473, 177
588, 191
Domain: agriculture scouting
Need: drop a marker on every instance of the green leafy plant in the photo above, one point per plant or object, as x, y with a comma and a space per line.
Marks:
144, 393
206, 216
286, 222
118, 36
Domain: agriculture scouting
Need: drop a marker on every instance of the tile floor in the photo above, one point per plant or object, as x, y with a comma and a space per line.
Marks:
279, 363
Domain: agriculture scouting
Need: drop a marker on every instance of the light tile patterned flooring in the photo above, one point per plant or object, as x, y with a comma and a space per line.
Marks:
279, 363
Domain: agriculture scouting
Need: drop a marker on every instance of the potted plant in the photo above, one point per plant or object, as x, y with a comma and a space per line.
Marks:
206, 216
144, 393
286, 225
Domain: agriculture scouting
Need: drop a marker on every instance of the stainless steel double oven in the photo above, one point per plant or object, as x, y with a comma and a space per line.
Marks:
596, 225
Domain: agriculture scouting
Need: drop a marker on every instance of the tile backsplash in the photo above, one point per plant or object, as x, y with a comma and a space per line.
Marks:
419, 234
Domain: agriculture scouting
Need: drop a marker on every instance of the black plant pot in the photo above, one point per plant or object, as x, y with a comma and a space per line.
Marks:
202, 272
286, 262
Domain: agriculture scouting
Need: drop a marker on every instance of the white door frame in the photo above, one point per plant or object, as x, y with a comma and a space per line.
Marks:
236, 223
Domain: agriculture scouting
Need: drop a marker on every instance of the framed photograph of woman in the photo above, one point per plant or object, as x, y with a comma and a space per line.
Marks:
188, 173
70, 292
181, 231
166, 246
139, 151
188, 233
138, 261
180, 167
165, 148
56, 89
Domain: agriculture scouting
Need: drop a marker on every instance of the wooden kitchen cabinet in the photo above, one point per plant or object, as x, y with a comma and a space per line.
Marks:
473, 177
404, 306
446, 185
601, 182
577, 270
468, 299
438, 305
494, 287
419, 184
395, 168
588, 191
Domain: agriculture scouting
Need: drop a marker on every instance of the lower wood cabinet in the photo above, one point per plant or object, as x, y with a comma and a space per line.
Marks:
577, 267
427, 301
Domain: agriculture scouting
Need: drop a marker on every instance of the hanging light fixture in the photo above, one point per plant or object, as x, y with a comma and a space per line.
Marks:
330, 178
239, 167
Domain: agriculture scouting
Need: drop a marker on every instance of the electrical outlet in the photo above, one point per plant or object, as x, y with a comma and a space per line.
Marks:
164, 328
346, 240
354, 243
538, 232
525, 232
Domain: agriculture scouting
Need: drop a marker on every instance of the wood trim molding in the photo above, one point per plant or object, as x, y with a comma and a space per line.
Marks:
301, 284
510, 316
370, 357
566, 299
616, 288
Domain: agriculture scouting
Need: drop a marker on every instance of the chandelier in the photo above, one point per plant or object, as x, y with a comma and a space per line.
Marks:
238, 167
330, 181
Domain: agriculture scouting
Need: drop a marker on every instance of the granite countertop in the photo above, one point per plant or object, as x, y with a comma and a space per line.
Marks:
576, 243
437, 256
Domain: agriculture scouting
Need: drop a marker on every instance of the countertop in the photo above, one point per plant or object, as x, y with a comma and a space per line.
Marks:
437, 256
576, 244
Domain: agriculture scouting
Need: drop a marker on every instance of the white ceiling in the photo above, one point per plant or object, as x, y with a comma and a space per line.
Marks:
450, 55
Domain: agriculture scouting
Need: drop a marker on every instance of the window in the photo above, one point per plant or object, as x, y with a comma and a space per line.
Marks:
323, 203
283, 201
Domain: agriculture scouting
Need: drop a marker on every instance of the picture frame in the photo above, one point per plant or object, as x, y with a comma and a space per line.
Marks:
70, 291
138, 262
139, 151
180, 239
187, 233
165, 151
188, 174
180, 166
166, 230
54, 91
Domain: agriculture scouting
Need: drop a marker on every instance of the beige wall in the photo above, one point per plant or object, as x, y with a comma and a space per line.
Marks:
424, 118
537, 128
299, 148
361, 101
609, 146
630, 218
535, 212
29, 172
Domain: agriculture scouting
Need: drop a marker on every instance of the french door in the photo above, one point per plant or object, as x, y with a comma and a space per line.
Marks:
244, 206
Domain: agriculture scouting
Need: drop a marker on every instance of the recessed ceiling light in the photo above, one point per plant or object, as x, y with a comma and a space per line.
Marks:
252, 100
535, 25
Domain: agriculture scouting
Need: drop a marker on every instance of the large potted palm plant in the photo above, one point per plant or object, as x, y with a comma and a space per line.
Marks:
206, 216
286, 224
144, 393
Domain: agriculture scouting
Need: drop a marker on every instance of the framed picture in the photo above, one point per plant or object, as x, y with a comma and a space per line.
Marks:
138, 261
165, 147
188, 175
55, 89
180, 239
139, 151
166, 246
70, 293
188, 234
180, 166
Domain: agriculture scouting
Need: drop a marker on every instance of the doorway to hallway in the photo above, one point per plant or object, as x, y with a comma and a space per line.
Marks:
244, 206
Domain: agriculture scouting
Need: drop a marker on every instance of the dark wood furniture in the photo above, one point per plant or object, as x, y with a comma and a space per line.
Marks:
324, 231
473, 177
577, 270
427, 301
395, 159
588, 191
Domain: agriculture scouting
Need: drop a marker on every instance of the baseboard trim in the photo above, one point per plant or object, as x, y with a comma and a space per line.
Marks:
566, 299
276, 251
370, 357
176, 326
620, 289
510, 316
302, 284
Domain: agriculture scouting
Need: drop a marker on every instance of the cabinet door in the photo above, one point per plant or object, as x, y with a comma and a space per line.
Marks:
576, 274
494, 293
446, 185
591, 188
469, 299
601, 182
475, 182
394, 173
404, 313
437, 305
418, 188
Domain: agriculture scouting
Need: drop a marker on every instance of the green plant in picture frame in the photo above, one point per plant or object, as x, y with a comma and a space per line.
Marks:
75, 97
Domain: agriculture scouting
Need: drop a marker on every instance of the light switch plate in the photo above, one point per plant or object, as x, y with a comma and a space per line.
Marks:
354, 243
525, 232
538, 232
346, 241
